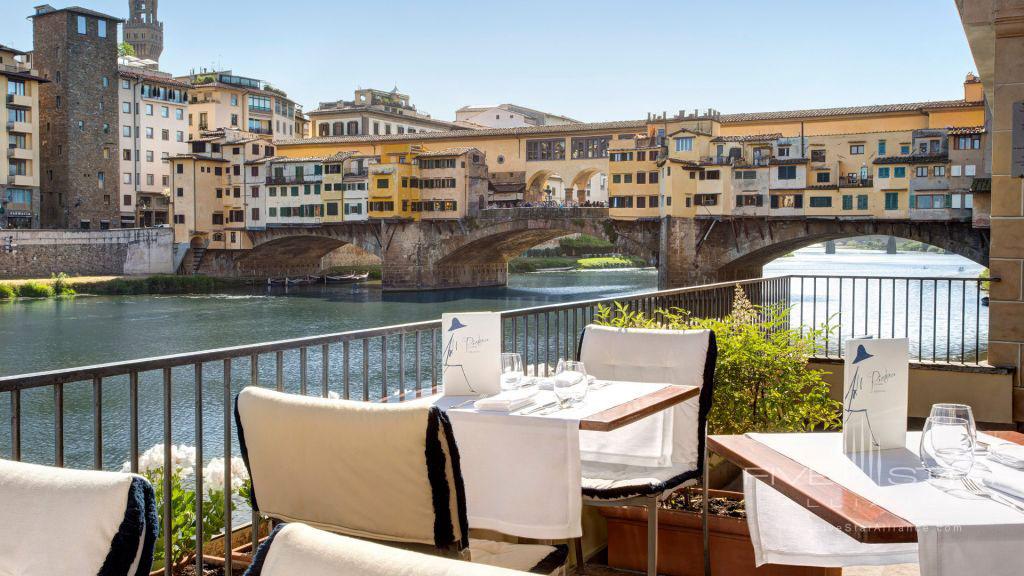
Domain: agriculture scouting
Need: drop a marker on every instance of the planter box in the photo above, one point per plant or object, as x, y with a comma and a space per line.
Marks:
213, 551
681, 544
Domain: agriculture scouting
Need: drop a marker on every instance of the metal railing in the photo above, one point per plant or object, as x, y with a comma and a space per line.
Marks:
944, 319
101, 415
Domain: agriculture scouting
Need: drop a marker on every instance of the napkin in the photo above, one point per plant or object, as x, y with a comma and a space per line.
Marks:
1008, 454
506, 401
1009, 485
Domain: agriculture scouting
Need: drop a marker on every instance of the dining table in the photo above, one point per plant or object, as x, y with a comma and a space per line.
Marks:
523, 467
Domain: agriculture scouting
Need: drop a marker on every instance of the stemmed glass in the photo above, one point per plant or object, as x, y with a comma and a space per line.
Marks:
512, 374
570, 383
959, 411
947, 447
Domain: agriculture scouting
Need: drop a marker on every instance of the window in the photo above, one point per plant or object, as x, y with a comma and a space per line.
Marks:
179, 114
149, 109
881, 147
884, 172
818, 155
856, 148
787, 172
921, 171
970, 170
552, 149
892, 201
684, 144
149, 133
149, 155
179, 136
967, 142
383, 183
955, 170
787, 201
847, 202
620, 202
705, 200
181, 192
165, 134
749, 200
939, 171
101, 179
126, 107
102, 28
929, 201
255, 213
824, 177
899, 172
821, 202
784, 151
641, 178
81, 25
590, 147
641, 202
165, 112
862, 202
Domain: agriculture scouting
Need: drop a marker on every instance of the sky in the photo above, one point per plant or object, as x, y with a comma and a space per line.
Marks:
592, 60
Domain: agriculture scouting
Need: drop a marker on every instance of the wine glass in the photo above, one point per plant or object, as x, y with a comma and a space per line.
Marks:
511, 370
959, 411
947, 447
570, 382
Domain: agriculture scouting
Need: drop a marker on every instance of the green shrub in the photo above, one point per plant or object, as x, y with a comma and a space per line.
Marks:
35, 290
610, 262
7, 292
762, 381
61, 287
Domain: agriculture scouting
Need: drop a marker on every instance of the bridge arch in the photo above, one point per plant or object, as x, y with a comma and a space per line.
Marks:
696, 251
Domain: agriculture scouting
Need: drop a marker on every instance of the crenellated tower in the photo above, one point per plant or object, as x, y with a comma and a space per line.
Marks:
143, 31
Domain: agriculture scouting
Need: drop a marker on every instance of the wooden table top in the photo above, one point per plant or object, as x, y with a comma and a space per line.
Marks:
858, 517
639, 408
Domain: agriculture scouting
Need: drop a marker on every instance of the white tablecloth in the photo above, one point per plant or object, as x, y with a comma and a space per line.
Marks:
522, 472
957, 533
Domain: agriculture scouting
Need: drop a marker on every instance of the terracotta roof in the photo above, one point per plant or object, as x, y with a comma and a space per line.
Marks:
519, 131
823, 187
966, 130
787, 161
685, 163
193, 156
913, 159
749, 138
339, 157
695, 132
371, 110
457, 151
142, 74
12, 50
847, 111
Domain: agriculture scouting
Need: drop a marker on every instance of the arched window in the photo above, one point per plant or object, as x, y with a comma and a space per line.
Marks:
353, 127
339, 128
324, 129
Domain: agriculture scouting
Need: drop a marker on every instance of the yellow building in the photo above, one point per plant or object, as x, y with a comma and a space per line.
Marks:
633, 179
394, 185
223, 100
19, 164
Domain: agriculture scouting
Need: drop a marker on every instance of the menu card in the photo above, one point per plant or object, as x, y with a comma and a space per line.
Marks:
876, 379
471, 356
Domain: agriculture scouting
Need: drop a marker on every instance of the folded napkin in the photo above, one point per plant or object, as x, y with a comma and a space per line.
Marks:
569, 378
507, 400
1009, 485
1008, 454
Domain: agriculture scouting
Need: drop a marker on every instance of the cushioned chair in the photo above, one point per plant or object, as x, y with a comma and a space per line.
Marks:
386, 472
63, 521
639, 355
297, 548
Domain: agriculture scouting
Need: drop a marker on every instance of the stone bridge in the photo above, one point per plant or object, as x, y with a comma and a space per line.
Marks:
434, 254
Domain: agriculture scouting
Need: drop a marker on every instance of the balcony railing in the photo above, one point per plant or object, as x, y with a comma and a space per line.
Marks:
845, 182
295, 179
266, 131
188, 397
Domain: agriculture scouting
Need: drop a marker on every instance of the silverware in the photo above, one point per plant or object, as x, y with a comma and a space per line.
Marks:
538, 408
978, 490
470, 401
552, 410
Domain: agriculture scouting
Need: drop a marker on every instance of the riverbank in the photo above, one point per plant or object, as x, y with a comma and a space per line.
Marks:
537, 263
64, 286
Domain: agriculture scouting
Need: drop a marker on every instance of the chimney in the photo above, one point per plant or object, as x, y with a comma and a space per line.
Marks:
973, 91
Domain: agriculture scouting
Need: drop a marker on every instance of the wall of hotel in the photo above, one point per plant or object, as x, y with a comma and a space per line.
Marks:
29, 154
193, 201
145, 169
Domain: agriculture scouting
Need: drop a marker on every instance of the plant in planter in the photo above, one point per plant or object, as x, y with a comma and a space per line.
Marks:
763, 384
183, 496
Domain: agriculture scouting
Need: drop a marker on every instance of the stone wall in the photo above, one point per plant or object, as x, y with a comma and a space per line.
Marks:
130, 251
349, 255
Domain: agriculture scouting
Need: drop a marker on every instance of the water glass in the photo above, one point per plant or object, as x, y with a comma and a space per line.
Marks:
958, 411
512, 375
947, 447
570, 384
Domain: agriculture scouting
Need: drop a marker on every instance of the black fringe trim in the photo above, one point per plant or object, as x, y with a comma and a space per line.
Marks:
256, 568
245, 456
136, 529
460, 485
444, 533
703, 409
553, 561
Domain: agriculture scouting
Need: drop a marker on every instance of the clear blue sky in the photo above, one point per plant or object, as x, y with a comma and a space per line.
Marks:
593, 60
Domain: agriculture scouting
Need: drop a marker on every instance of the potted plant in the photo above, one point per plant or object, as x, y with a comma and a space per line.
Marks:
763, 384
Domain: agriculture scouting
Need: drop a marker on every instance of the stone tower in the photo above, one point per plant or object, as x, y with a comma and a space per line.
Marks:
143, 31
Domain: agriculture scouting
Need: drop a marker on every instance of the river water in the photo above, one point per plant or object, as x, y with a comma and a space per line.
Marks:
50, 334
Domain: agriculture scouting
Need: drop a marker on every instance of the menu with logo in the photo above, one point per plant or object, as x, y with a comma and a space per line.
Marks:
875, 394
471, 356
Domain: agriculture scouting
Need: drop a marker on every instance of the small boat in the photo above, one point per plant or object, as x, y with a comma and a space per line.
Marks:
298, 281
347, 278
277, 281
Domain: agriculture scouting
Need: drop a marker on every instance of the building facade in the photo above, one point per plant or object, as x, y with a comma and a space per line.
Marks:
20, 165
222, 100
143, 30
507, 116
373, 112
76, 50
153, 126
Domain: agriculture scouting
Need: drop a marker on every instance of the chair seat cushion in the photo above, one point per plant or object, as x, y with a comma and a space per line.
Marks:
620, 481
298, 549
535, 558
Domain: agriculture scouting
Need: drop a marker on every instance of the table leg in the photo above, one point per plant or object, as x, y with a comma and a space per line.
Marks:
705, 481
577, 545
